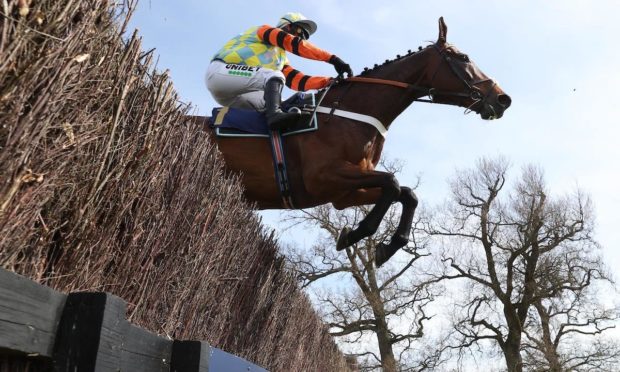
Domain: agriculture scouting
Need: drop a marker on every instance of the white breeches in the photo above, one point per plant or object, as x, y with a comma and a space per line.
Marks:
239, 86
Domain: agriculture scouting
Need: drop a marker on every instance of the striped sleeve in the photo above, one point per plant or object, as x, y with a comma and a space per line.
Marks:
296, 80
296, 45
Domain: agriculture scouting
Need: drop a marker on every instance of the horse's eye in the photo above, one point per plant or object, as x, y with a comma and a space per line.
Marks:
463, 57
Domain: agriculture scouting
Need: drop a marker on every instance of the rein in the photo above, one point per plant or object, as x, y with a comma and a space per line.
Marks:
360, 79
426, 91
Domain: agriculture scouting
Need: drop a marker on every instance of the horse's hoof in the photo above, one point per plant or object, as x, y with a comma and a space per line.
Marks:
381, 255
399, 241
343, 240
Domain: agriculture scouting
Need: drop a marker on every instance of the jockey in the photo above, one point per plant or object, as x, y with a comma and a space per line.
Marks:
250, 70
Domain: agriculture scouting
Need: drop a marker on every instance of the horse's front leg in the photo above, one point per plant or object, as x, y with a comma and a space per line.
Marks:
400, 238
390, 191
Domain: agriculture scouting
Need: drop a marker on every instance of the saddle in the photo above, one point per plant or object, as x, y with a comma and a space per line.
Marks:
234, 122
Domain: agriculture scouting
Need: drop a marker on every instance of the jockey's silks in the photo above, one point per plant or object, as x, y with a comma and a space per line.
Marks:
248, 49
266, 47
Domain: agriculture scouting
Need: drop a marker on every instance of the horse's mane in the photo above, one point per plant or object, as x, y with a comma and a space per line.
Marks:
368, 70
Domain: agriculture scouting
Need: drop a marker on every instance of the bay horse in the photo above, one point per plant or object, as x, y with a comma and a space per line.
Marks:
336, 163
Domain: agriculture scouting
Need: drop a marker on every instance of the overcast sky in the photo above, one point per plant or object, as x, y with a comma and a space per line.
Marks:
558, 60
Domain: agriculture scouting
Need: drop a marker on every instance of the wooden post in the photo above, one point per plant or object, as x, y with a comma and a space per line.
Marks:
29, 315
90, 335
95, 336
145, 351
189, 356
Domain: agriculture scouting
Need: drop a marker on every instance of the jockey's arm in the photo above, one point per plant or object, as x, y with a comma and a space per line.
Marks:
294, 44
296, 80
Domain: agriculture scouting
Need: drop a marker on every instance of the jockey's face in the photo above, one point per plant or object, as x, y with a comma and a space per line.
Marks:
297, 30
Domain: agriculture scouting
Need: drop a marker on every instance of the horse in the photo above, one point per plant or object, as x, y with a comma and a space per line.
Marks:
336, 163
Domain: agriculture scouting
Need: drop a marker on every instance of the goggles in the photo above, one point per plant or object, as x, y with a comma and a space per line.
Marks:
298, 31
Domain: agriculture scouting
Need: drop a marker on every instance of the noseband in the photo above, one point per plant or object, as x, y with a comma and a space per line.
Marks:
472, 91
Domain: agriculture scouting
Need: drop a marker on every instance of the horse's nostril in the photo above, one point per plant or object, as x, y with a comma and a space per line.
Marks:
504, 100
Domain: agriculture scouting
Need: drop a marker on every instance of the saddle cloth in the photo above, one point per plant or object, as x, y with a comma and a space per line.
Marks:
233, 122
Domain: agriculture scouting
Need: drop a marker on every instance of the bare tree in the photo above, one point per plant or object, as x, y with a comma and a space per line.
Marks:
506, 246
374, 303
565, 330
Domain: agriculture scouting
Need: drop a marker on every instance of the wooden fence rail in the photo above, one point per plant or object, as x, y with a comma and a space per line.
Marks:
88, 332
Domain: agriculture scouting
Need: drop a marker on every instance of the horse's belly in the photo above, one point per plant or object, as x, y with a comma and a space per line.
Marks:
251, 159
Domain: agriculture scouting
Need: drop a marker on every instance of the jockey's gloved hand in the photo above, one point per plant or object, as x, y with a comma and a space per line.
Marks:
340, 66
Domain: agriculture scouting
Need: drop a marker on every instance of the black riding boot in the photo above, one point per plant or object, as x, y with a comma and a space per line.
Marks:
276, 118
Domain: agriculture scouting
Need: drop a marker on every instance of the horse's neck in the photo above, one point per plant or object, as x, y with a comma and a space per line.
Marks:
383, 101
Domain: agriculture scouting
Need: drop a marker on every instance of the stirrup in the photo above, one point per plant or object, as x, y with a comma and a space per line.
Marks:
282, 120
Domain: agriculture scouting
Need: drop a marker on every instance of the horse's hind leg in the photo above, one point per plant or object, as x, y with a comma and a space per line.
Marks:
401, 236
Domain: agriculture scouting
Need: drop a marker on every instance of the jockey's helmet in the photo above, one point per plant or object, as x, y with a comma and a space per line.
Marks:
308, 27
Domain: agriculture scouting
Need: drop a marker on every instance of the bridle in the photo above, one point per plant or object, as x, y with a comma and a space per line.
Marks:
472, 90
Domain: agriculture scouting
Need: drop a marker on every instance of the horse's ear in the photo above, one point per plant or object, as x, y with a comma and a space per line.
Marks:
443, 31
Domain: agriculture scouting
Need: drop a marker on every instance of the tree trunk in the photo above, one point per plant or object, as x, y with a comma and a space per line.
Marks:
513, 361
388, 362
512, 353
549, 350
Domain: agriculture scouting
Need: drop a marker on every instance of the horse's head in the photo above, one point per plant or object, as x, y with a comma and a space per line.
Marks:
456, 80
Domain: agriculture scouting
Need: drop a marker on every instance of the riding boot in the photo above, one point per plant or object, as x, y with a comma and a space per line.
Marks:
276, 118
289, 101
